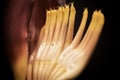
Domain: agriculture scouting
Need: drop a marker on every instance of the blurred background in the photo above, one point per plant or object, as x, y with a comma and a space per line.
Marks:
102, 63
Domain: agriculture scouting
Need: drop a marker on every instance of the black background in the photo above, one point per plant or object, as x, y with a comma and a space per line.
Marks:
102, 65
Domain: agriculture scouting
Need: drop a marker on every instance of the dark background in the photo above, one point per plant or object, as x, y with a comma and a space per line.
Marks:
102, 65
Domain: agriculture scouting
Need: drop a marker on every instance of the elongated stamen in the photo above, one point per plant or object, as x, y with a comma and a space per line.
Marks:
52, 25
90, 31
53, 45
89, 34
59, 21
51, 33
60, 43
63, 31
64, 24
94, 38
50, 37
91, 44
69, 36
79, 34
